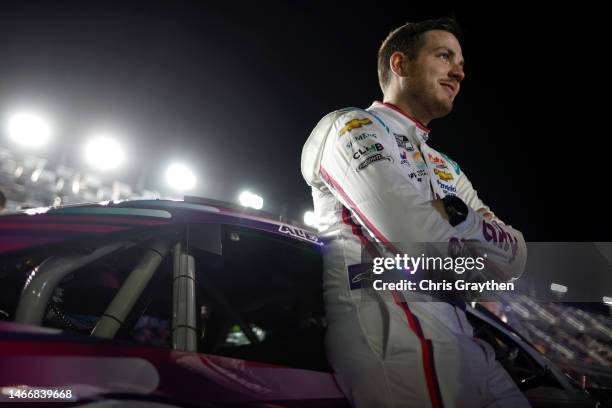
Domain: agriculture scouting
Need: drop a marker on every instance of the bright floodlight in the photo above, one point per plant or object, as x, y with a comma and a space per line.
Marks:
257, 202
607, 300
29, 130
180, 177
555, 287
310, 219
245, 199
248, 199
104, 153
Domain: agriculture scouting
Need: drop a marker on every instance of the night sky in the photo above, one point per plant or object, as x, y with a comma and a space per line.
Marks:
233, 90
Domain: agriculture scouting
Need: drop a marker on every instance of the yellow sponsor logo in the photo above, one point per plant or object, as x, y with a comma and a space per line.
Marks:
444, 176
354, 124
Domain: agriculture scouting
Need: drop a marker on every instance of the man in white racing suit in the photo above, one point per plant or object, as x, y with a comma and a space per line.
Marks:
377, 187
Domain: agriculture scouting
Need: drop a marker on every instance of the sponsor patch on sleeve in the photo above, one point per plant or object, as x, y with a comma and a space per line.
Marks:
365, 150
444, 175
360, 138
373, 159
354, 124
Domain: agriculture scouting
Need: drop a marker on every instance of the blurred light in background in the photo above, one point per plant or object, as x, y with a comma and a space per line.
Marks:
104, 153
310, 219
29, 130
607, 300
248, 199
555, 287
180, 177
76, 184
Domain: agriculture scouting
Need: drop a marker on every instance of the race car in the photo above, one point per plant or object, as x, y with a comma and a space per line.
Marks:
187, 303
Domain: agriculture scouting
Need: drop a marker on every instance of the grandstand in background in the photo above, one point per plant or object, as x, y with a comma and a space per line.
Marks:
29, 181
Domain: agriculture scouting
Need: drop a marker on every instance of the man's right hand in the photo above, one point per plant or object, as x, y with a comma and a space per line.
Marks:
486, 214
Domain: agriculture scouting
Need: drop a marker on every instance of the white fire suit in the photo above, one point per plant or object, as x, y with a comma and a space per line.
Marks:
373, 177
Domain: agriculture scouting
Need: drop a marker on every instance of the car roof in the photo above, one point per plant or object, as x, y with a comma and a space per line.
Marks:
39, 226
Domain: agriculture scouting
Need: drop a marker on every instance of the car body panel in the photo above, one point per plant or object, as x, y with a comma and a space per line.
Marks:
54, 225
43, 358
97, 368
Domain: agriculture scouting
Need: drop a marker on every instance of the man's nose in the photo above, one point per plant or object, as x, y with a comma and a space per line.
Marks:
457, 72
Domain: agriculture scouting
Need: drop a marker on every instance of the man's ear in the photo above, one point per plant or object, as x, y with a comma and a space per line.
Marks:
399, 63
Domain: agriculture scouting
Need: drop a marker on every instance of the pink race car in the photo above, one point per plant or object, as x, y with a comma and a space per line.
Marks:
185, 303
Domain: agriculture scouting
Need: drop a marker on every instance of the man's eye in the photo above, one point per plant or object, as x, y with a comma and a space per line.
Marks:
445, 56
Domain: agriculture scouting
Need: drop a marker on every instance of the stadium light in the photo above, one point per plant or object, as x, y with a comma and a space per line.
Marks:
29, 130
310, 219
180, 178
555, 287
245, 198
248, 199
104, 153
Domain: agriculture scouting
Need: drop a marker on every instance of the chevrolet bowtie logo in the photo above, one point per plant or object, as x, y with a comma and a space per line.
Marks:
354, 124
444, 176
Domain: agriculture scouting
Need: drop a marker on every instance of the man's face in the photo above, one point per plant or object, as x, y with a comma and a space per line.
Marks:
434, 76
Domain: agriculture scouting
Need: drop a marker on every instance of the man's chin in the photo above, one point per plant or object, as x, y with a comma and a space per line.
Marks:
443, 108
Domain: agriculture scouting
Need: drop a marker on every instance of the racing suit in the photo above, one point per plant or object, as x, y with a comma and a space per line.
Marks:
373, 176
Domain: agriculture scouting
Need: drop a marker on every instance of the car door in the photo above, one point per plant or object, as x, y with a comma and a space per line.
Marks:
261, 320
106, 331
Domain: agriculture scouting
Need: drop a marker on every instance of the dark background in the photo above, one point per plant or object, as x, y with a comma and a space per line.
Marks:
233, 89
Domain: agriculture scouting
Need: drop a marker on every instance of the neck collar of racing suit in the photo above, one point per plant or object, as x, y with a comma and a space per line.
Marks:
422, 132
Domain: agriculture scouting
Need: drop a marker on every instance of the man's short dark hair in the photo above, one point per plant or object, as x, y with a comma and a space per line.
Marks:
409, 39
